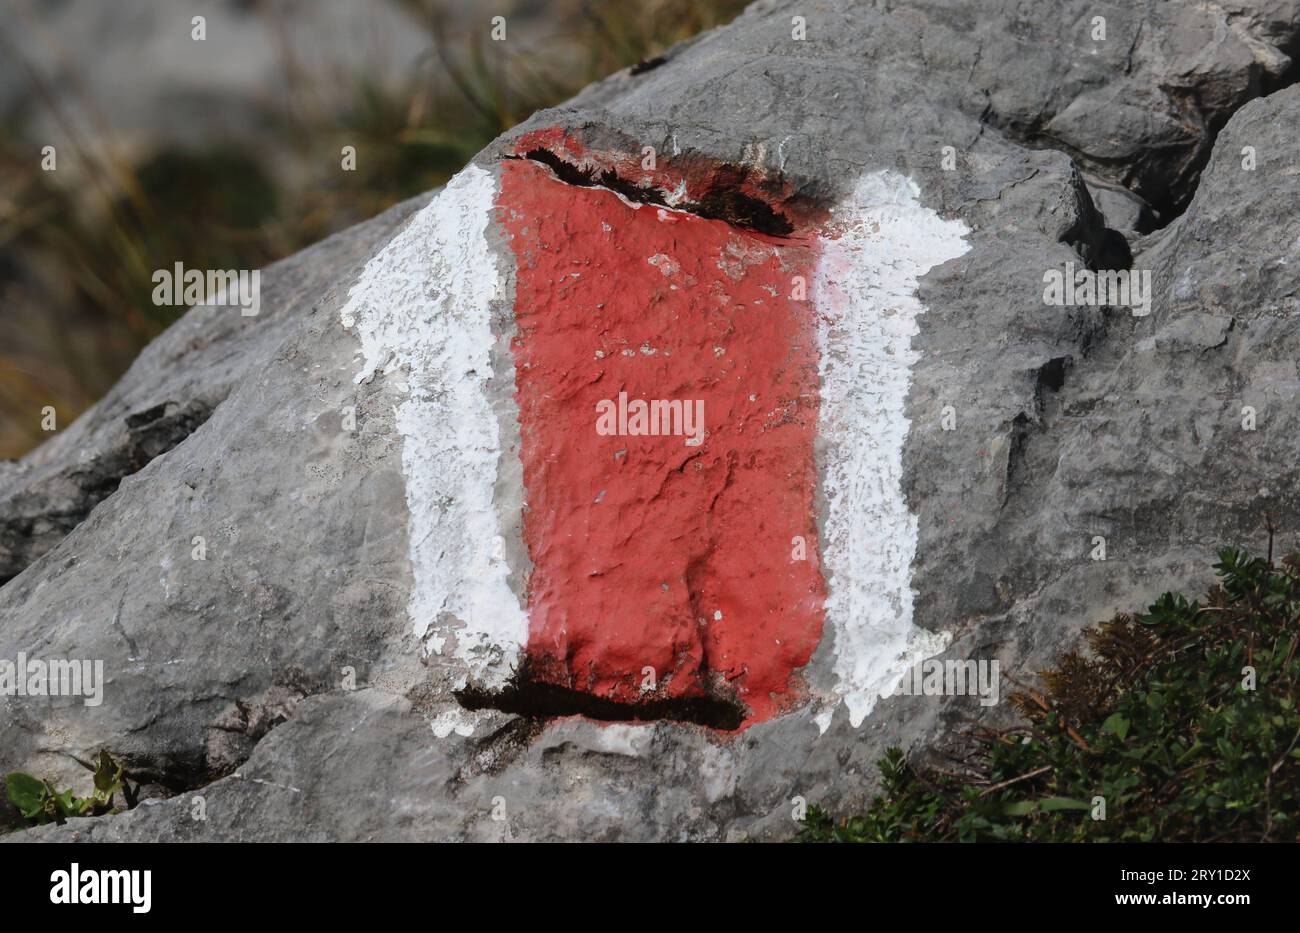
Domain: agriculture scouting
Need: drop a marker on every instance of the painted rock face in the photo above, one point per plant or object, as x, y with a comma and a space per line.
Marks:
662, 559
662, 471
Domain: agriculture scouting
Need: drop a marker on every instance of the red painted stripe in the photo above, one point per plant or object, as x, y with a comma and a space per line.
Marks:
636, 541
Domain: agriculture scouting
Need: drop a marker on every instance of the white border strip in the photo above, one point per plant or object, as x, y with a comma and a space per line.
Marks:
423, 306
881, 242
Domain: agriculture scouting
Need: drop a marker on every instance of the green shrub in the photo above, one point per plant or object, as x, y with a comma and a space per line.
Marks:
1161, 718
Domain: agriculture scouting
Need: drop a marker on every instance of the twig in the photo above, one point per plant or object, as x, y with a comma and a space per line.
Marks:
1014, 780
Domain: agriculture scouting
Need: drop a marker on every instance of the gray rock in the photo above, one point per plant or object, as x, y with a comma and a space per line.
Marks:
1121, 209
231, 678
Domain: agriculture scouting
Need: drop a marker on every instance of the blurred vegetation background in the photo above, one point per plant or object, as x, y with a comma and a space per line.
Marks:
78, 245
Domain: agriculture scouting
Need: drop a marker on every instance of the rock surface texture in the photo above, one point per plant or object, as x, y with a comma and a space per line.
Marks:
437, 604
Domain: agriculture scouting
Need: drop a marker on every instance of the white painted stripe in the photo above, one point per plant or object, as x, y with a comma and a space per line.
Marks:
422, 307
881, 240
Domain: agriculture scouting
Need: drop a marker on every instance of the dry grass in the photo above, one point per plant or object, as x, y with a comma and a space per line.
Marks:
75, 265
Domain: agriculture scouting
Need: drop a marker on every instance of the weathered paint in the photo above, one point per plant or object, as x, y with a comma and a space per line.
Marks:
422, 311
649, 553
747, 196
880, 242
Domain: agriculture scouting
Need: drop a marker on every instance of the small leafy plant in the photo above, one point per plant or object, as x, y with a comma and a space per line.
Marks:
39, 802
1180, 724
